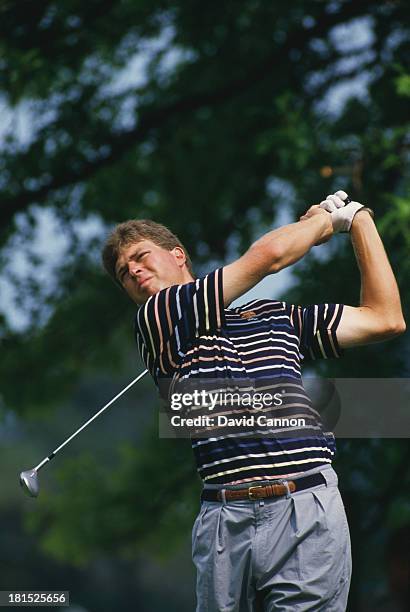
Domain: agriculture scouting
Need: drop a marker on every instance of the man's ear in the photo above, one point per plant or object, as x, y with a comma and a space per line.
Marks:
179, 255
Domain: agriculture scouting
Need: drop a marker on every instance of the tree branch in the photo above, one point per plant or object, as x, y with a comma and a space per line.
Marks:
152, 119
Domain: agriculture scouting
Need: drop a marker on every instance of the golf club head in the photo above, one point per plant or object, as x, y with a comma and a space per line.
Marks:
29, 482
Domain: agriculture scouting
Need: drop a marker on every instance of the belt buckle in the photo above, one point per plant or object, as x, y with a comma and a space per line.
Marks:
250, 492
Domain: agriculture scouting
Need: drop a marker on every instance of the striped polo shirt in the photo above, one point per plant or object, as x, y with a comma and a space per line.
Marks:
184, 332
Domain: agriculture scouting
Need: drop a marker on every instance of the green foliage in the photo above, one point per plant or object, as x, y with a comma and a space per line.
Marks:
403, 85
143, 500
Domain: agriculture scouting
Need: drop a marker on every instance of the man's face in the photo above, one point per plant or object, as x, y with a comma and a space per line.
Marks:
144, 268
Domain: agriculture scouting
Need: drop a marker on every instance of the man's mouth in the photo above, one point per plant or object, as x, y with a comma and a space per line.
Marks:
143, 282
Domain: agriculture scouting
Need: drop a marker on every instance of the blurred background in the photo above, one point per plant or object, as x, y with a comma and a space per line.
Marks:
221, 120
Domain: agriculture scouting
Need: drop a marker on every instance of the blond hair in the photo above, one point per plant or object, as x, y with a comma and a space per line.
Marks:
134, 231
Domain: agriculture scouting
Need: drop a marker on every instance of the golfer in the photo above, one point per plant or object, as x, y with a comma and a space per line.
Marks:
271, 533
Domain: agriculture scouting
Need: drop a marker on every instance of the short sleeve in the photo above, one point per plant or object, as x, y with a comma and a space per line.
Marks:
316, 326
170, 320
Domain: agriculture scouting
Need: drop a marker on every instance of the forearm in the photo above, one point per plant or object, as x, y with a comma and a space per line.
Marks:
274, 251
286, 245
379, 290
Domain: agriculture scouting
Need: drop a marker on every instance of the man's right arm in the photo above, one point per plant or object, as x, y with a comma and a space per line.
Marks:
274, 251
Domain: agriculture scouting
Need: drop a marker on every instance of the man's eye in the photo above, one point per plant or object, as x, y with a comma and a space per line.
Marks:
139, 255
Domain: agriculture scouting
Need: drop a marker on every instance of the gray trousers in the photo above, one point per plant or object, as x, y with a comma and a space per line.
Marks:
282, 554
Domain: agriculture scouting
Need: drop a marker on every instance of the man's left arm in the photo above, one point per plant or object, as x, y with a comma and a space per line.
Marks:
379, 315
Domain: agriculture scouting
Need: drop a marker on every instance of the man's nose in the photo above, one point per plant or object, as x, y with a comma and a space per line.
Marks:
133, 268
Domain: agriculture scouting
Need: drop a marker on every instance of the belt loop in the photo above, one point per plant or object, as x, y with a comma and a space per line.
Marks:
223, 496
286, 485
329, 475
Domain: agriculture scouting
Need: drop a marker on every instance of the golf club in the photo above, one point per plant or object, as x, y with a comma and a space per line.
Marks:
29, 478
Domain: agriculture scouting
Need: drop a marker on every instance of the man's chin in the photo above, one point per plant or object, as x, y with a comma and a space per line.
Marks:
145, 293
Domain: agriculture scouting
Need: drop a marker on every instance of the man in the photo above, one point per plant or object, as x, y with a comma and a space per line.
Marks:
271, 533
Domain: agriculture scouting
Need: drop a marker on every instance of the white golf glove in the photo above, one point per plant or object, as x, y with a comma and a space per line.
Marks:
342, 212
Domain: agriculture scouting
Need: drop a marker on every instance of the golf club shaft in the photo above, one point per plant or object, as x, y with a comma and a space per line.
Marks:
40, 465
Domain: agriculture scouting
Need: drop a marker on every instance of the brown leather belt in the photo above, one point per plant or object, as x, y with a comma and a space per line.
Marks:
264, 491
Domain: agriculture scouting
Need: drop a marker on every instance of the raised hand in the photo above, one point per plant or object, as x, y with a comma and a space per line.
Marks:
342, 210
